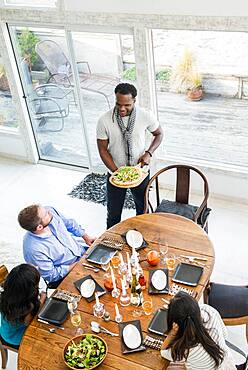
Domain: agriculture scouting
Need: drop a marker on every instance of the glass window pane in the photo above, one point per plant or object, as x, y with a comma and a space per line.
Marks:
45, 69
213, 129
102, 61
8, 115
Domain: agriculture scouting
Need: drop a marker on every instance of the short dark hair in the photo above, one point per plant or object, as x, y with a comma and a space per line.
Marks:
126, 89
20, 294
28, 218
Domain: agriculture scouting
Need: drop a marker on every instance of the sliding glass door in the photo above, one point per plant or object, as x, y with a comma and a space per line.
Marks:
68, 81
48, 83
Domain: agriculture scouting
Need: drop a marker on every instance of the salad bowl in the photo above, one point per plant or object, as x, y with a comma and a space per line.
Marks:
76, 352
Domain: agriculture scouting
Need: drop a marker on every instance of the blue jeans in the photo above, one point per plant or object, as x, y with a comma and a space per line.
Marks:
116, 198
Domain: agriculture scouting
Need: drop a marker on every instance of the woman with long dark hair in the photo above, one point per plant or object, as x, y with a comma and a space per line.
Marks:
196, 335
19, 303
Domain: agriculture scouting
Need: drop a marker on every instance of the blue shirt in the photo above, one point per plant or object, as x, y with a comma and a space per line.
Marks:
11, 332
53, 253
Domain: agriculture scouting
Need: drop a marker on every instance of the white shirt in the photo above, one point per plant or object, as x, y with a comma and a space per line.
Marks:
198, 358
109, 130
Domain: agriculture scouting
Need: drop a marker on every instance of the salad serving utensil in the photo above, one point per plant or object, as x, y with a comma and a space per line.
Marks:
97, 329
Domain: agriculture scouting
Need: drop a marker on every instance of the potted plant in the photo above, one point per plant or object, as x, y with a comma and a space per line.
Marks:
185, 78
195, 90
4, 84
27, 41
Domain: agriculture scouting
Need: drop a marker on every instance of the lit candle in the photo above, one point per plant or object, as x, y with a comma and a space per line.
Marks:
117, 310
97, 299
121, 258
113, 278
123, 285
128, 264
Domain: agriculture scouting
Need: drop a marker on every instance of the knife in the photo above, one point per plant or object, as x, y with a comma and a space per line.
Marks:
48, 323
195, 258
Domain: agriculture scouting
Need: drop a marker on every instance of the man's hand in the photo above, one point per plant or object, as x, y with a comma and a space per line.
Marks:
42, 298
144, 159
88, 239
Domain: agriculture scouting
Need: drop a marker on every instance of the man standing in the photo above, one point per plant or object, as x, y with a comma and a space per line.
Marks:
121, 134
49, 243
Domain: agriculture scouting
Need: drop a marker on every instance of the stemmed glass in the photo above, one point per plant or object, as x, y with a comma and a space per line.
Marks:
76, 321
163, 251
135, 301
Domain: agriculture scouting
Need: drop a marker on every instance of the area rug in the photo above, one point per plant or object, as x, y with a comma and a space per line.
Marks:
93, 189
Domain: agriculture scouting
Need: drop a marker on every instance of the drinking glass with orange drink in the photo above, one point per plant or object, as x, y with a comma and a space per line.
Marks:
170, 261
147, 306
115, 261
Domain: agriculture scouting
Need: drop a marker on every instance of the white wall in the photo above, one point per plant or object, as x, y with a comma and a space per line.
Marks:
176, 7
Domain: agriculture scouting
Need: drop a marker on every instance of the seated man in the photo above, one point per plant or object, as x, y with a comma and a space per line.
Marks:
49, 243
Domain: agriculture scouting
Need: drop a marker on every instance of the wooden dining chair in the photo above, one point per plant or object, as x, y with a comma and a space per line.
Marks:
180, 206
231, 301
4, 346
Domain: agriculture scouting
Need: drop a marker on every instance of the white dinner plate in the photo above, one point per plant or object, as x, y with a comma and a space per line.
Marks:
131, 336
87, 288
134, 238
159, 280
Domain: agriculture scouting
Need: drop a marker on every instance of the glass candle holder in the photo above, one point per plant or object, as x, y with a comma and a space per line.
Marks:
98, 310
124, 297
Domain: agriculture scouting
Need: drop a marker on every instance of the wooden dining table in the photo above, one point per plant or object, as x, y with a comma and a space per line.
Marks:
43, 350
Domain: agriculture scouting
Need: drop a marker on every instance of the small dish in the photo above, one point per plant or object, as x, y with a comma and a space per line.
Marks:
134, 239
159, 280
87, 288
98, 287
125, 349
154, 280
131, 336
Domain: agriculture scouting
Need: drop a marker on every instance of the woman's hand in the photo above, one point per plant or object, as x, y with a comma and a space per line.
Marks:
174, 329
171, 336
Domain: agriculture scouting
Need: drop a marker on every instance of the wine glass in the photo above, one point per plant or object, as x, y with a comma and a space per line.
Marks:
163, 251
76, 321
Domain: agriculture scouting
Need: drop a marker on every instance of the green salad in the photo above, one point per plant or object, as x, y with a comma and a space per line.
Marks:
87, 353
127, 173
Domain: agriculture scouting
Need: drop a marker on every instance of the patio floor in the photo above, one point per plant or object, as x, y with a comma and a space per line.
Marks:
213, 129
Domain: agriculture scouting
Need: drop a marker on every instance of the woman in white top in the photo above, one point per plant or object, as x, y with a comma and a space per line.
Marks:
196, 335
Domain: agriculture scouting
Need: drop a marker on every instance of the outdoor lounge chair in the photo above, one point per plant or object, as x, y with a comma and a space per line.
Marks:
60, 71
46, 102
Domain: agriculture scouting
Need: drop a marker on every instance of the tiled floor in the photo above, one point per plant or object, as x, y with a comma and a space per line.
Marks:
22, 184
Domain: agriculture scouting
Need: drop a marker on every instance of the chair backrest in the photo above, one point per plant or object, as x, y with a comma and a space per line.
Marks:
3, 273
53, 56
222, 297
182, 186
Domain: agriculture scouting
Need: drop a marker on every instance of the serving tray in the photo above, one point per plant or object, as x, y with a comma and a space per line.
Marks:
187, 274
54, 311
